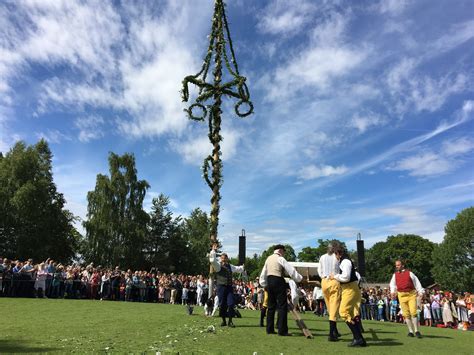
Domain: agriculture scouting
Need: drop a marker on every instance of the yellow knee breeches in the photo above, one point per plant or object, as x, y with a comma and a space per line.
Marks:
332, 296
408, 303
350, 301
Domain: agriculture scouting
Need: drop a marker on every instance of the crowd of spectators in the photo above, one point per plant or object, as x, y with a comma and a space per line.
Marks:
49, 279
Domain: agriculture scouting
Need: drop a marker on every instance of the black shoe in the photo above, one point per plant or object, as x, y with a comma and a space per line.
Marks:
333, 338
358, 342
411, 335
285, 334
418, 335
262, 325
336, 333
231, 325
224, 323
272, 332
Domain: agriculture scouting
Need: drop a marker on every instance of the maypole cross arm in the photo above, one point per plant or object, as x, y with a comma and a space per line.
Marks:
220, 35
208, 102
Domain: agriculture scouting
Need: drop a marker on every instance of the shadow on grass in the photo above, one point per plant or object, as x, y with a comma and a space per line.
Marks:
379, 332
385, 342
20, 346
436, 336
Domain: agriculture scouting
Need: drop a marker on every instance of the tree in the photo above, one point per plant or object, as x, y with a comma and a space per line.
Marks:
33, 221
251, 266
117, 224
161, 225
196, 233
416, 251
454, 257
309, 254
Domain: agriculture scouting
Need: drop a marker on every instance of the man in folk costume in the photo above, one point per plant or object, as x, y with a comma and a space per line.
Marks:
272, 277
350, 295
224, 281
407, 287
328, 264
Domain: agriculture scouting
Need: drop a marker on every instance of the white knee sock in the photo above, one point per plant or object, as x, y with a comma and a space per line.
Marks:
409, 324
415, 324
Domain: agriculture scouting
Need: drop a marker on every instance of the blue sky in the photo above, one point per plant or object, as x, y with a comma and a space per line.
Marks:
364, 111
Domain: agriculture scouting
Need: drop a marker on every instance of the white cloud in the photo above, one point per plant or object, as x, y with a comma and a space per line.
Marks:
430, 163
415, 221
458, 147
424, 164
411, 90
6, 139
327, 57
455, 36
311, 172
53, 136
194, 150
75, 180
134, 66
280, 18
461, 116
316, 67
90, 127
362, 122
392, 7
330, 30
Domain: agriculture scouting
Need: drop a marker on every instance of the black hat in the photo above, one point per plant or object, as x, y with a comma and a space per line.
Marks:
279, 246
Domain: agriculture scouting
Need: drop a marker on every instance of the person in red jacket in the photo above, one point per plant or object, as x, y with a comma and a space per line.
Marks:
406, 286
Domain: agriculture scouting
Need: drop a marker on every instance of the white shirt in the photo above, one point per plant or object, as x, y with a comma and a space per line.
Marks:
317, 293
200, 285
290, 270
346, 268
328, 264
293, 289
416, 283
217, 265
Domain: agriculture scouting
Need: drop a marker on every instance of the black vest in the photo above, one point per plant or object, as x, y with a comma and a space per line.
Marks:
224, 276
353, 272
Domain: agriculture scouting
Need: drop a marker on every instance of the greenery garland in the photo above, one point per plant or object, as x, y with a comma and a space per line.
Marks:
204, 108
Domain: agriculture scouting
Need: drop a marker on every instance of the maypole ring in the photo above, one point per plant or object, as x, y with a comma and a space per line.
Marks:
245, 113
194, 116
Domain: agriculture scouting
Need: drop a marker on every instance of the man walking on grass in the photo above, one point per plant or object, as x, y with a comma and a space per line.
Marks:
406, 286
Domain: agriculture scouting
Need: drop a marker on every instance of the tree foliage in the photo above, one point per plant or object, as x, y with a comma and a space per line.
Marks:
416, 251
161, 226
117, 224
196, 233
454, 257
309, 254
33, 220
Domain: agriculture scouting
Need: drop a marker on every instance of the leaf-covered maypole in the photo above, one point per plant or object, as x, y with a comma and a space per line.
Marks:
208, 102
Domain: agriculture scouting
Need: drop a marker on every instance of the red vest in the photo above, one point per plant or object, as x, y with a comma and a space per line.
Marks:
404, 281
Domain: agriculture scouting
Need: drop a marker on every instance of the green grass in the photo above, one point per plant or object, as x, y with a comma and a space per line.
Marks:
73, 326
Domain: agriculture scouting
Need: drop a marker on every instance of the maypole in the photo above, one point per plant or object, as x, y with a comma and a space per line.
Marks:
208, 103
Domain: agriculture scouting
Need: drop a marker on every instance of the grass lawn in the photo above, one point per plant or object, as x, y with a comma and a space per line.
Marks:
36, 325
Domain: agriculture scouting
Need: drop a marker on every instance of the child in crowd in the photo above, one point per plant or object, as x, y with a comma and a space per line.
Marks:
427, 312
393, 310
184, 296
